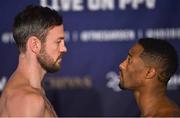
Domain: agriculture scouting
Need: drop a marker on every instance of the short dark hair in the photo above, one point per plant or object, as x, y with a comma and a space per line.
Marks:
34, 21
162, 54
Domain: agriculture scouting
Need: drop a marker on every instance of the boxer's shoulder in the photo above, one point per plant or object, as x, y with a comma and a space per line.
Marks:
26, 102
169, 112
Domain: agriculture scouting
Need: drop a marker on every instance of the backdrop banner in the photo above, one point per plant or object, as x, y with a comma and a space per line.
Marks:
98, 36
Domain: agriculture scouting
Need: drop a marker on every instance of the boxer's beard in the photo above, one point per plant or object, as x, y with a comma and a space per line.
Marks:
47, 62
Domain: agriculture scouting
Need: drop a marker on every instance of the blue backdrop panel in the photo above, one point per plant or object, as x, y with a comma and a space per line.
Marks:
99, 34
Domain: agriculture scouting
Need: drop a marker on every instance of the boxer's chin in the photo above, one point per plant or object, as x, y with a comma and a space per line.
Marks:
48, 63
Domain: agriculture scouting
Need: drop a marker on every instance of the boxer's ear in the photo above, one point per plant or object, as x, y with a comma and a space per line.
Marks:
34, 44
150, 73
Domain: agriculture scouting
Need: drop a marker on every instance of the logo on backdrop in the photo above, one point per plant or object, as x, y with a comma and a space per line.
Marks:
96, 5
113, 82
110, 35
7, 37
61, 83
3, 81
174, 82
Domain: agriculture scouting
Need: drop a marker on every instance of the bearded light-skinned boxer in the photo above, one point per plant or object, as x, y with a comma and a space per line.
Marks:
146, 71
39, 35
